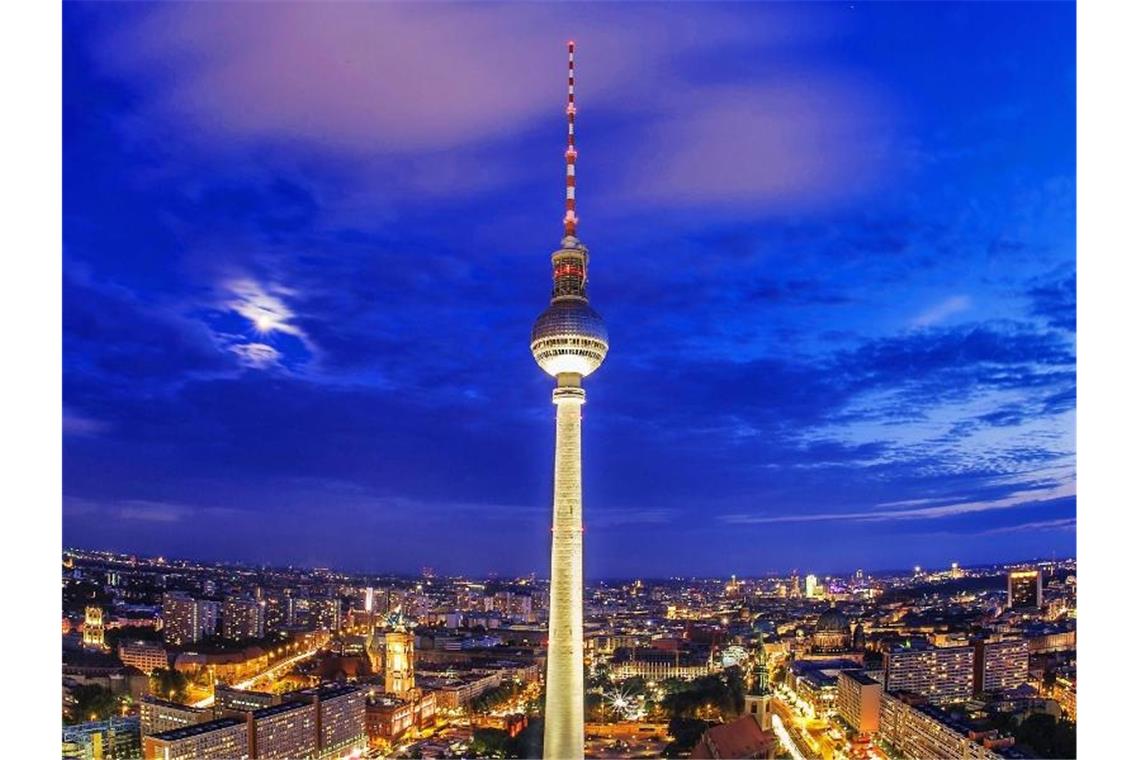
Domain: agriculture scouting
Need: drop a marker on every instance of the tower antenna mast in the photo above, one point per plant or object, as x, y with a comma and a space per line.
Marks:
570, 221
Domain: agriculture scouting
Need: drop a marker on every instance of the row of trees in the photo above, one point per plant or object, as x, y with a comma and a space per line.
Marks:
494, 698
93, 702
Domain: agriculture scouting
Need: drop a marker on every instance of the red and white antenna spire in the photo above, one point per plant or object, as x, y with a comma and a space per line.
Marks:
570, 221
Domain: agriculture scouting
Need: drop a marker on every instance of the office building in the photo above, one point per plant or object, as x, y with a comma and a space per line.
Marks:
325, 613
147, 656
285, 731
1023, 590
340, 717
186, 620
857, 700
180, 623
324, 722
243, 618
811, 587
940, 674
920, 731
222, 739
1000, 665
158, 715
229, 700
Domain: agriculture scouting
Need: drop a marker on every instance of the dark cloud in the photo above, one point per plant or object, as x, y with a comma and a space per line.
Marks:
1056, 302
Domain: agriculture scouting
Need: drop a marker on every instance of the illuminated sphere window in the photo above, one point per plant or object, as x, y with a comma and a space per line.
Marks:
569, 338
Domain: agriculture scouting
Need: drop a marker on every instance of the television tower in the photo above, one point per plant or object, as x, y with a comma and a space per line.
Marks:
569, 341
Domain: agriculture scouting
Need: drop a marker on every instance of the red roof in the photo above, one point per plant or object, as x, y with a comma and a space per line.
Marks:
742, 738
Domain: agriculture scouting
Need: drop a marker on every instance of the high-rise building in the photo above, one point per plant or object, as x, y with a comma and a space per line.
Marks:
340, 719
924, 732
399, 662
223, 739
158, 715
285, 731
1000, 665
857, 700
569, 341
228, 700
186, 619
243, 618
1023, 589
940, 674
322, 723
811, 587
180, 621
325, 613
93, 629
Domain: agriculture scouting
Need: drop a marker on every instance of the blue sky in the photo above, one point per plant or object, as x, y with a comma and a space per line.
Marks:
833, 244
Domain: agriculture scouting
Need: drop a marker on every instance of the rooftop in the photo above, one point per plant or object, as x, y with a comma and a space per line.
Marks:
195, 730
859, 677
284, 707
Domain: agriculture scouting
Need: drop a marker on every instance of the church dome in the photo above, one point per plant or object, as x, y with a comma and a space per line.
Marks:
833, 620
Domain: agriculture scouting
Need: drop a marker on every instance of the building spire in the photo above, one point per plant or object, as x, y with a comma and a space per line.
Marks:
570, 221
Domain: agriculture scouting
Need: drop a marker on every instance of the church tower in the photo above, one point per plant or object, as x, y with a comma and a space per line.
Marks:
758, 700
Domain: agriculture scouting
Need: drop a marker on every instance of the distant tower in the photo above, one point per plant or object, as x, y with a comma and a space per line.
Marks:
399, 659
93, 628
569, 341
758, 700
371, 645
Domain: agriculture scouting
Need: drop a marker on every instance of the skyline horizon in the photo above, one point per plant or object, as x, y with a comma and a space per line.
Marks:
496, 575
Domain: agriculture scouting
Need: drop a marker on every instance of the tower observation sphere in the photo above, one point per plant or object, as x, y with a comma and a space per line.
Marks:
569, 338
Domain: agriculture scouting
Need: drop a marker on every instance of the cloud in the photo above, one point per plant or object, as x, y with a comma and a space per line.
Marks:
111, 511
111, 334
425, 96
263, 307
1017, 499
794, 141
1062, 523
257, 355
78, 424
941, 311
1056, 302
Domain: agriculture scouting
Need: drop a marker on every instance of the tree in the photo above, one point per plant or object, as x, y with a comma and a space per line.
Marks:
92, 702
168, 683
492, 742
595, 707
1047, 736
686, 732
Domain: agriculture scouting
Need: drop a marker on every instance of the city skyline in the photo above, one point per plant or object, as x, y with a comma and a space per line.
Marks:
293, 322
883, 572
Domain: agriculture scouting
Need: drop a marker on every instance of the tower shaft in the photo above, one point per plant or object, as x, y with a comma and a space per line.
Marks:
565, 688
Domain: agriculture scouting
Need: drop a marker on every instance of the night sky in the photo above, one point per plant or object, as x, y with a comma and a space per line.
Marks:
834, 246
